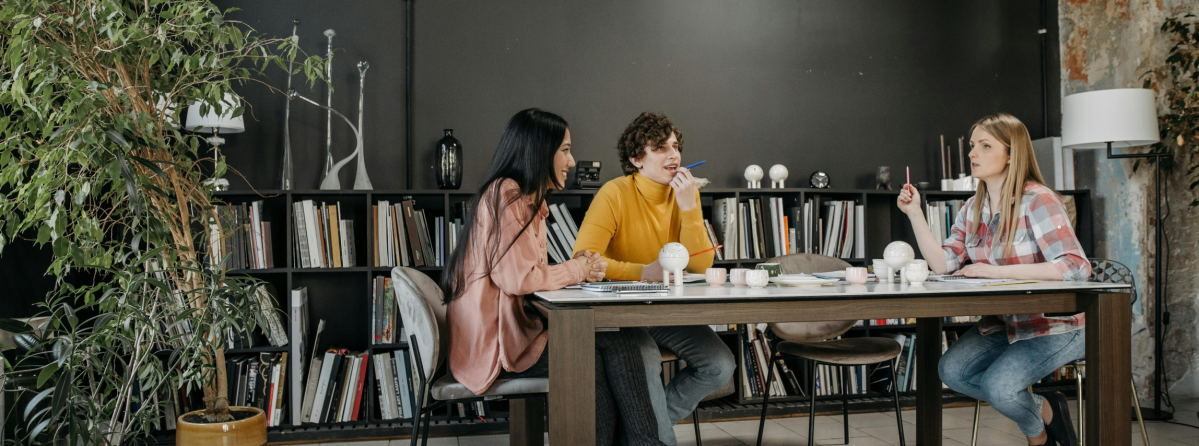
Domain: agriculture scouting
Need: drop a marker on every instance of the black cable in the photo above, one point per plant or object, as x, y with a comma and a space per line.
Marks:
1165, 393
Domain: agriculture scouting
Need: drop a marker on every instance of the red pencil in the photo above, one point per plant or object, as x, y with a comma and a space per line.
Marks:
909, 171
706, 250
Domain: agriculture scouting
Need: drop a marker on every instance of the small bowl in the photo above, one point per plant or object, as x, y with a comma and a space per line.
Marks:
923, 185
737, 276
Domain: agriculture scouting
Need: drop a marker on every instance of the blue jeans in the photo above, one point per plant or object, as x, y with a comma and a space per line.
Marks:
710, 365
988, 368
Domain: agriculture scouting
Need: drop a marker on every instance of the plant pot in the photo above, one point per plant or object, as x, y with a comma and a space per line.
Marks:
245, 432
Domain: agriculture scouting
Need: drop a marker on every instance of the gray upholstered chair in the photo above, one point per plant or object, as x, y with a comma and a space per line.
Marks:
1102, 271
814, 341
422, 309
725, 390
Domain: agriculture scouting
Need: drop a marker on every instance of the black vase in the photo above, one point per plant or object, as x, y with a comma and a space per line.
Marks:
449, 161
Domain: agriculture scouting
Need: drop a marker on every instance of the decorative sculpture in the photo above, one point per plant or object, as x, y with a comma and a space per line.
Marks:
673, 257
361, 181
329, 33
286, 181
753, 175
897, 255
331, 182
778, 174
883, 180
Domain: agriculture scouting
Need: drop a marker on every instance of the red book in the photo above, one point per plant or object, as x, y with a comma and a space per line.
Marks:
358, 390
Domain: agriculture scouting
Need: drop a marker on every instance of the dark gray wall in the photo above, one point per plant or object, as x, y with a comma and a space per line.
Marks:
842, 87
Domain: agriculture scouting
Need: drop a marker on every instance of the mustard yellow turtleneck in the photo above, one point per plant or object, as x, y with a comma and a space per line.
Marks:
632, 217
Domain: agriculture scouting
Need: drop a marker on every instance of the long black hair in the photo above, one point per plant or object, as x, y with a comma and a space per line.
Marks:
525, 155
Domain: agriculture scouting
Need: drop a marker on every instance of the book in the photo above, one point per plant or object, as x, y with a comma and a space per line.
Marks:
299, 351
318, 408
405, 383
425, 243
383, 383
414, 246
361, 375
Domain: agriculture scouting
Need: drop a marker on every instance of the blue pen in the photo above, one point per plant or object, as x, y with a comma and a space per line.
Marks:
693, 165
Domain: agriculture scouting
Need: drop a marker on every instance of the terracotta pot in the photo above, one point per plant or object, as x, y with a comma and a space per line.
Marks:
248, 432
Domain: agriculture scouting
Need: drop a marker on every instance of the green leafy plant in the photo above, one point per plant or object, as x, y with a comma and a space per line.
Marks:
1179, 78
91, 166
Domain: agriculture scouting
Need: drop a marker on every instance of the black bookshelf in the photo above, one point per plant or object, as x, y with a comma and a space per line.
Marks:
339, 295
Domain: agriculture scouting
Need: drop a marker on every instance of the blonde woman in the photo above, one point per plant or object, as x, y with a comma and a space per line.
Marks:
1014, 227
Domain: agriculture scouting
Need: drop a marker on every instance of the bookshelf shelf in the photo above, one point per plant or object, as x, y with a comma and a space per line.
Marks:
343, 296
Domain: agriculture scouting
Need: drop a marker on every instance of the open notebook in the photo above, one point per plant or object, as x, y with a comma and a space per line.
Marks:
973, 281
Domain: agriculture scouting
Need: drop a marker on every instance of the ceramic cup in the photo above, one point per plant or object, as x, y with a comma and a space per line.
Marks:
737, 276
757, 278
916, 272
774, 268
883, 271
716, 276
855, 275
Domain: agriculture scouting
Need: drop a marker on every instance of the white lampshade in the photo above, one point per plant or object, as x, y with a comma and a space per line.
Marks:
1125, 117
211, 121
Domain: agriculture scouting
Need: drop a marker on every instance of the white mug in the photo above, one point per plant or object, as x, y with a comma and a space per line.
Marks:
916, 272
757, 278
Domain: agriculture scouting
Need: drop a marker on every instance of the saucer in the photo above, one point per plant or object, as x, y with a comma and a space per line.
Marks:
795, 281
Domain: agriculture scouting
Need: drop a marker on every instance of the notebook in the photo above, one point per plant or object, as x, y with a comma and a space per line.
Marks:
974, 281
625, 287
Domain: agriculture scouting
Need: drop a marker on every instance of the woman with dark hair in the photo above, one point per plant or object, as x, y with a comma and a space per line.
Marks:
656, 202
501, 257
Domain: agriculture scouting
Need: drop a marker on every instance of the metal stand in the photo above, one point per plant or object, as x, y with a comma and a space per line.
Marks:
1161, 319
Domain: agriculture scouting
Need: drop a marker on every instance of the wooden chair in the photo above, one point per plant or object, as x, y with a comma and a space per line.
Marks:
423, 312
813, 341
1102, 271
725, 390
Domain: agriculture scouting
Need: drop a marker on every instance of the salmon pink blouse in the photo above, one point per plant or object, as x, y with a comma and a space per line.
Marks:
489, 329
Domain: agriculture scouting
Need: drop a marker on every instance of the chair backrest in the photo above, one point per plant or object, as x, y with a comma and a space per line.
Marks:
1111, 271
422, 310
810, 331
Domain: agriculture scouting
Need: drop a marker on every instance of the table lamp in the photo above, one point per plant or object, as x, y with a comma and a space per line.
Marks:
1125, 117
216, 124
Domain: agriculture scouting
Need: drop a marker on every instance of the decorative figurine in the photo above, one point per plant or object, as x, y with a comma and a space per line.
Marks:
361, 180
329, 33
883, 180
331, 181
701, 182
778, 174
673, 258
819, 180
286, 178
753, 174
898, 255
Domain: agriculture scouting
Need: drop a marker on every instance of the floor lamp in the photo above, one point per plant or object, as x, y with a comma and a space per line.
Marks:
216, 124
1125, 117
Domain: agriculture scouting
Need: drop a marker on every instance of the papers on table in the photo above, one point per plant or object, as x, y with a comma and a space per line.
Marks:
970, 281
838, 275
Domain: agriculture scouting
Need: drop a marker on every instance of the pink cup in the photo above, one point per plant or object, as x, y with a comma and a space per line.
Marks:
716, 276
855, 275
737, 276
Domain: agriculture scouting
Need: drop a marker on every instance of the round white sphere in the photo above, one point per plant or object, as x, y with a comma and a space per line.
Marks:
753, 173
778, 172
898, 254
673, 257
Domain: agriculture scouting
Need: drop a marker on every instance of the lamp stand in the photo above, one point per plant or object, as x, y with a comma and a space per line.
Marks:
216, 141
1161, 319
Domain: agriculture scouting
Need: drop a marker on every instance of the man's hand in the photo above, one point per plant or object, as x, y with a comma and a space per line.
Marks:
684, 191
651, 272
981, 270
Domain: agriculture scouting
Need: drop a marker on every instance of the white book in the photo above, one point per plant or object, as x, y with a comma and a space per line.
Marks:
848, 221
440, 237
564, 245
256, 222
405, 259
807, 227
742, 223
570, 221
830, 230
860, 226
322, 387
406, 403
314, 239
380, 236
299, 335
552, 249
347, 410
273, 397
383, 378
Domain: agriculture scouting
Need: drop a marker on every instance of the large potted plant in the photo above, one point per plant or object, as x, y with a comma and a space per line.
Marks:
1178, 79
91, 165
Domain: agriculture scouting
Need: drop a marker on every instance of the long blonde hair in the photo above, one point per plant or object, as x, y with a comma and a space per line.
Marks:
1022, 169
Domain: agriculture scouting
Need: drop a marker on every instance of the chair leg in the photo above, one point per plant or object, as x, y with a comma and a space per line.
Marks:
416, 424
895, 397
812, 404
845, 402
974, 434
1136, 403
424, 441
695, 421
765, 401
1082, 419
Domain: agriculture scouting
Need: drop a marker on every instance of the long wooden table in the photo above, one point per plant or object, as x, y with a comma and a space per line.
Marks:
575, 315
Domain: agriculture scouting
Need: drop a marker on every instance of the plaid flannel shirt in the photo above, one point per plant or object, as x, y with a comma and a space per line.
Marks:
1043, 234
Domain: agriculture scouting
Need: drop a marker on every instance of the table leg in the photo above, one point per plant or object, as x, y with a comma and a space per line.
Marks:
526, 422
1109, 368
572, 376
928, 383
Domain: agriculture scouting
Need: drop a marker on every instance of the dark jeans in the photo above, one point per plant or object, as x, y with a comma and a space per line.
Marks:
618, 365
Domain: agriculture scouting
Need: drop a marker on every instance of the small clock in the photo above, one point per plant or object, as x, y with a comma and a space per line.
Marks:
818, 180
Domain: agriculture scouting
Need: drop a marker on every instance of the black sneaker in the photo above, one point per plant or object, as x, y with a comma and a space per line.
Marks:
1061, 429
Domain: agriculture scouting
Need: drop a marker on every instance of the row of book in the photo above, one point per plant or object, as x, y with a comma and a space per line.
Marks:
383, 311
323, 238
259, 381
912, 321
762, 227
333, 391
247, 244
941, 215
562, 232
402, 235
